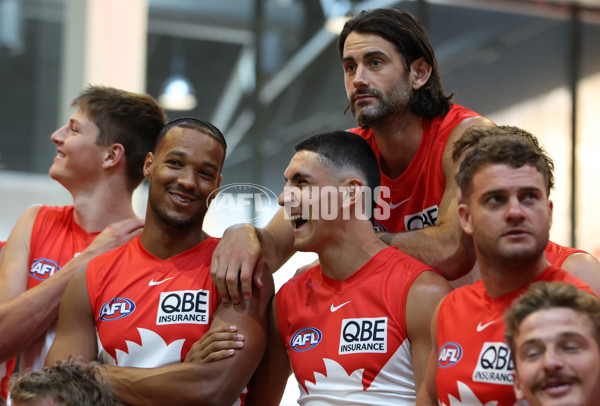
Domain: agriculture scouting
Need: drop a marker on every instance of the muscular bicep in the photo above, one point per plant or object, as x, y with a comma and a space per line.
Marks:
15, 259
269, 380
250, 318
427, 395
76, 334
425, 293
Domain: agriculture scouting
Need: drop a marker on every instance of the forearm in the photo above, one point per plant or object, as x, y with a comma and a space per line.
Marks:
445, 248
174, 384
277, 241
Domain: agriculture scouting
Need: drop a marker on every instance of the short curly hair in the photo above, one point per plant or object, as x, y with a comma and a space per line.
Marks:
66, 383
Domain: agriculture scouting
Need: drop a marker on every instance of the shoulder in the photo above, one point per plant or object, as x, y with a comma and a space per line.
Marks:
430, 283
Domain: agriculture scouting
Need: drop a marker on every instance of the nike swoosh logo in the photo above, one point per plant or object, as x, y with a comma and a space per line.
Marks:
336, 308
154, 283
393, 206
481, 327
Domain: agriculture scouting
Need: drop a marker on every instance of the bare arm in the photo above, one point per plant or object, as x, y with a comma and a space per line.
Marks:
244, 249
584, 267
27, 314
196, 382
269, 380
427, 395
425, 293
76, 333
444, 246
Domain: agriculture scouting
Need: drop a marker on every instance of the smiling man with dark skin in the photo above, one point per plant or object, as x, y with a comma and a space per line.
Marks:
140, 308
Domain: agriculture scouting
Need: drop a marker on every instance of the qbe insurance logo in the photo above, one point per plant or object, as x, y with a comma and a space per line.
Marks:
234, 201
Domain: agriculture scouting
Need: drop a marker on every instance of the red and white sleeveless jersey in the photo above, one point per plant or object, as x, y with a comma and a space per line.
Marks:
348, 339
474, 363
415, 195
557, 254
55, 239
148, 311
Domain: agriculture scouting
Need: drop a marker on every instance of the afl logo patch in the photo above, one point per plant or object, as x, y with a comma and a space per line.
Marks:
450, 354
378, 227
305, 339
42, 269
116, 308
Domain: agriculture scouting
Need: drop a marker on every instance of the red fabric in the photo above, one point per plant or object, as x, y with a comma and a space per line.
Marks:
416, 194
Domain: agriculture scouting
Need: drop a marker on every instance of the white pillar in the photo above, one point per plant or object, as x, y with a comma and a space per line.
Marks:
104, 44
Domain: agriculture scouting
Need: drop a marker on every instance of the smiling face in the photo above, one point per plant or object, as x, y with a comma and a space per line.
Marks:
183, 172
557, 359
309, 197
78, 158
376, 79
508, 213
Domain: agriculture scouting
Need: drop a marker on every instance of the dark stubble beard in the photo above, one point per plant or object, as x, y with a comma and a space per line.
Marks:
395, 102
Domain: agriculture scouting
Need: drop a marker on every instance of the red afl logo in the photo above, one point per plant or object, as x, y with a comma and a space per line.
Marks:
305, 339
116, 308
450, 354
42, 269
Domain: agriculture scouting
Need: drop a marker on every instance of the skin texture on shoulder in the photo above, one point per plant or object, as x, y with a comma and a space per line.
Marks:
426, 292
586, 268
427, 394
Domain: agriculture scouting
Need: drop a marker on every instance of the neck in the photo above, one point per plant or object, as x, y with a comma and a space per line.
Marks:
354, 245
164, 241
502, 277
102, 205
398, 141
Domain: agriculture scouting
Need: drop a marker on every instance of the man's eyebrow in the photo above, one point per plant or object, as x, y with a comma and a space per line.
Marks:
182, 154
296, 176
366, 55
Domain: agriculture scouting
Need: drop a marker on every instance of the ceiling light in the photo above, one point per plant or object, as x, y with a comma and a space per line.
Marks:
178, 94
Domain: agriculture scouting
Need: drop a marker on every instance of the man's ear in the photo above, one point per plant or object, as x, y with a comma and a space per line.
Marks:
465, 218
215, 192
148, 164
420, 71
354, 192
550, 208
115, 153
517, 386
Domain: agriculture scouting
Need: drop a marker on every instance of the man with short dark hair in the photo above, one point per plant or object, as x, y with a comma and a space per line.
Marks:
553, 331
141, 307
355, 328
504, 206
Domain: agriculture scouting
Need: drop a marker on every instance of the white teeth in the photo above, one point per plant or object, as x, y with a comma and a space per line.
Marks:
60, 155
295, 217
182, 199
